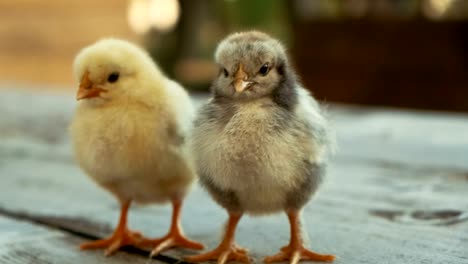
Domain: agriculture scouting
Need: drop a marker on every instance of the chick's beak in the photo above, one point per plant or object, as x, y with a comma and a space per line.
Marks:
240, 81
87, 88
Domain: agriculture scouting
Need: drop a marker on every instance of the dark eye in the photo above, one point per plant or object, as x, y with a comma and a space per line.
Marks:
264, 69
113, 77
226, 73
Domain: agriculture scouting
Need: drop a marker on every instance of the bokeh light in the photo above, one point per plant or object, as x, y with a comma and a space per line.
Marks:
161, 15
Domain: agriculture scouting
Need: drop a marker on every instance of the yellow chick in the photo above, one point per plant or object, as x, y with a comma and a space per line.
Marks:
128, 135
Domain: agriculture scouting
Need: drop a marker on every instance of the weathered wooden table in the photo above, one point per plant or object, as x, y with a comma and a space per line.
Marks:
397, 192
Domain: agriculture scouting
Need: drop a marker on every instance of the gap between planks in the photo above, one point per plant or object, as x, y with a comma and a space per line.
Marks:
62, 225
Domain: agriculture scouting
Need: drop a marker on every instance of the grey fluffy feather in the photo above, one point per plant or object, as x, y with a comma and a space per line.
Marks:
263, 150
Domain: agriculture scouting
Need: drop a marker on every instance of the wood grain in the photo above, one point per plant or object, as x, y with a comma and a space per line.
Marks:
387, 198
23, 242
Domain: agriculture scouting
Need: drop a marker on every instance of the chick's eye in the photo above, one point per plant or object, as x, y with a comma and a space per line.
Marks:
264, 69
113, 77
225, 72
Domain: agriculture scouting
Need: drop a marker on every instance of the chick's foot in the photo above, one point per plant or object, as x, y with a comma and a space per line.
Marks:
227, 249
295, 251
173, 239
294, 254
121, 236
223, 254
119, 239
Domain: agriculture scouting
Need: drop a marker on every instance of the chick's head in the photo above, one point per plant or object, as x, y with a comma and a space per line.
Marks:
252, 65
112, 69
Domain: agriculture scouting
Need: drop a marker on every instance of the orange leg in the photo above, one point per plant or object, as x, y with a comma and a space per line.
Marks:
227, 250
175, 237
295, 251
121, 236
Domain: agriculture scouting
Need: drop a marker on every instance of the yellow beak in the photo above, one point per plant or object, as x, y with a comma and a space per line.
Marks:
240, 81
87, 88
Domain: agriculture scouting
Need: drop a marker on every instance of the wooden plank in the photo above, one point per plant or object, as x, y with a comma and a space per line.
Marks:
394, 211
23, 242
416, 138
363, 213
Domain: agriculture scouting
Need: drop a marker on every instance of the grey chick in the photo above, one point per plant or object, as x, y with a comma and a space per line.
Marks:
261, 143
